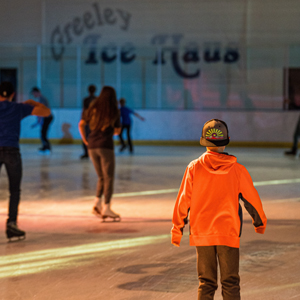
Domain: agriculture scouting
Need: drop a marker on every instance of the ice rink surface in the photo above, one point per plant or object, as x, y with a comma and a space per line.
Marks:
69, 253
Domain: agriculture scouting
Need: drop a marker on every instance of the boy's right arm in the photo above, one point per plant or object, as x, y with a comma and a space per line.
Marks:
39, 109
182, 207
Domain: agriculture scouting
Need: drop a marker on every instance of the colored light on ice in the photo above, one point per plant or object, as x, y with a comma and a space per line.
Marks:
50, 259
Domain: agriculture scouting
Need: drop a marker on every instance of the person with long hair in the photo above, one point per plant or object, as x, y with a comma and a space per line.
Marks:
103, 118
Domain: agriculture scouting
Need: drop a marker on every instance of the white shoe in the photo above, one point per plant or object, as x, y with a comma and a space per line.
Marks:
97, 206
108, 213
96, 211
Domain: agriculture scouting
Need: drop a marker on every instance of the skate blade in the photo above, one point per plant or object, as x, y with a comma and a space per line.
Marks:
109, 219
14, 239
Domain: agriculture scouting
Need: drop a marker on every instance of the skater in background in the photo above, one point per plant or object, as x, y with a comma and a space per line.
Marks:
103, 118
44, 122
209, 194
86, 103
292, 103
11, 114
126, 124
294, 149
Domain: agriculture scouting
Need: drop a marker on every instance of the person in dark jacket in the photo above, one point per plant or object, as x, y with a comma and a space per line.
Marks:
86, 103
11, 114
126, 124
296, 136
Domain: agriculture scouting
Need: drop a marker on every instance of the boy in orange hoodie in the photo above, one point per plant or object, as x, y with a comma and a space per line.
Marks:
211, 189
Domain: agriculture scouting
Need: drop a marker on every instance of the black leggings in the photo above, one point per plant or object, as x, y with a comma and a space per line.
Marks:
44, 133
11, 158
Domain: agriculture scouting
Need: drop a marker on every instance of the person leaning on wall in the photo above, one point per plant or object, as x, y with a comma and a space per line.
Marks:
11, 114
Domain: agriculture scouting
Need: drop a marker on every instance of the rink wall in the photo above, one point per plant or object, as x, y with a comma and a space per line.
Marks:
221, 54
245, 127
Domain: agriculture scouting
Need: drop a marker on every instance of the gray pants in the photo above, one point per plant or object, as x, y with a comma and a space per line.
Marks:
207, 265
104, 163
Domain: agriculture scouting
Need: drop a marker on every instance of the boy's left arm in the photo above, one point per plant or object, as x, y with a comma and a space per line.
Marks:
252, 202
182, 207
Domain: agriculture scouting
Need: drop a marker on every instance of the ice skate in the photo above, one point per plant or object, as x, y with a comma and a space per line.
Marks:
97, 207
290, 152
84, 156
12, 231
107, 213
97, 211
123, 147
45, 152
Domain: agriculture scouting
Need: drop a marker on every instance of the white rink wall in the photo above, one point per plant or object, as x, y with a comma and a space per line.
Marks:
173, 125
214, 54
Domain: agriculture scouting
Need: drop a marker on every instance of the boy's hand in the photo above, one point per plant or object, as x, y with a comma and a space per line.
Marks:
260, 229
175, 240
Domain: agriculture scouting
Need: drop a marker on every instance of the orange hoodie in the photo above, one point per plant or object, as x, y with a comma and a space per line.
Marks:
210, 192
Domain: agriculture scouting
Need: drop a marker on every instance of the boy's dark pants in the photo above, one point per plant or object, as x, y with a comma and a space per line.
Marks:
207, 267
11, 158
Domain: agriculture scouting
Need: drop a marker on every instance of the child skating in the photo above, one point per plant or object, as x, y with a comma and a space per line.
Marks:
126, 124
211, 189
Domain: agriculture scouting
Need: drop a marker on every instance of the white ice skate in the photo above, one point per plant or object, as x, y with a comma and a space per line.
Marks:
97, 211
97, 207
107, 213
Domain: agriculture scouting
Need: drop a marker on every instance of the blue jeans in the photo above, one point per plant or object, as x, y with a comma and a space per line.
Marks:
11, 158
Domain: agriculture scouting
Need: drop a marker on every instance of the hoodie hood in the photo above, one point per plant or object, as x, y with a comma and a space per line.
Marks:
217, 163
